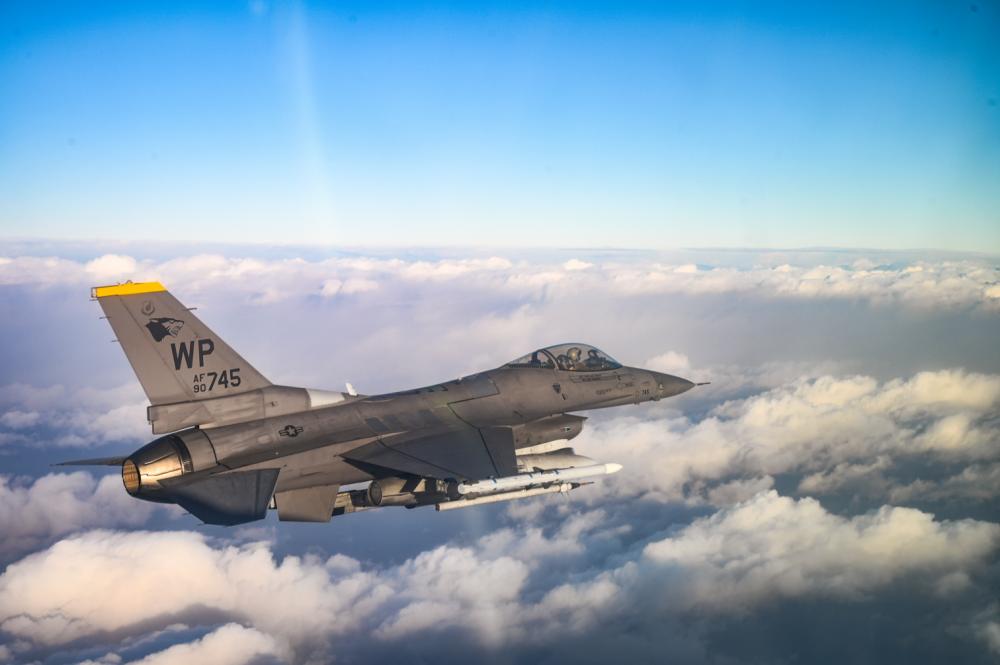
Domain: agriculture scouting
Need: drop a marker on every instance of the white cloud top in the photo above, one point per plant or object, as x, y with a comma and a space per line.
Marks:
60, 503
835, 428
851, 402
946, 283
496, 591
773, 546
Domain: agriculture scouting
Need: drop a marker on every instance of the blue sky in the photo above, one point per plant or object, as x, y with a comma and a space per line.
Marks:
571, 125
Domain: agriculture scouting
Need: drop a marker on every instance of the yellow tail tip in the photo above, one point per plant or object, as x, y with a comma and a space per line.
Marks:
126, 289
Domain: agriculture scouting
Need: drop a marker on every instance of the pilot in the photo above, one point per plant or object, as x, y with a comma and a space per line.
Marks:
573, 358
594, 360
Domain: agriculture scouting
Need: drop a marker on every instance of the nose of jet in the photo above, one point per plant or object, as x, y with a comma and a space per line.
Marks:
669, 385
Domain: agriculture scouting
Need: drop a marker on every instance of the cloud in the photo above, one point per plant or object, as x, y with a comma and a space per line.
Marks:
659, 562
947, 283
977, 482
19, 419
333, 287
497, 592
634, 305
451, 587
111, 266
74, 589
734, 491
451, 268
987, 626
772, 546
231, 644
862, 476
834, 430
670, 362
59, 503
81, 417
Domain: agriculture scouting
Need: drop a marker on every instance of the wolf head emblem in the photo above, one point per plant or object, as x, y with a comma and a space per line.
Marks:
163, 326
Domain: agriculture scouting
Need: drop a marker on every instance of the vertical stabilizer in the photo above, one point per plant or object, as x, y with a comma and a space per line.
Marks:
176, 357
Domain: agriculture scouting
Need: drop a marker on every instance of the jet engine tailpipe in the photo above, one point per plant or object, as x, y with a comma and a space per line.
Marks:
166, 457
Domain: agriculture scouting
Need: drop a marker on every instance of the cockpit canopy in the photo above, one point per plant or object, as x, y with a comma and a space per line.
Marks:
568, 357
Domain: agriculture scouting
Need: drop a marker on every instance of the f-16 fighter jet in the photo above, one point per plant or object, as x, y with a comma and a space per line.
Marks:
235, 444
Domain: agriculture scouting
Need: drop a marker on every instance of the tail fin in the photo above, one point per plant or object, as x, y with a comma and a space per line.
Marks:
176, 357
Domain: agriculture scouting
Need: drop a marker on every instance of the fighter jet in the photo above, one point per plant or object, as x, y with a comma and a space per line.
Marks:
234, 444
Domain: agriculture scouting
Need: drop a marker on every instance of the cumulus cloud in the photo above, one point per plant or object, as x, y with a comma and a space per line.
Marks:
800, 350
19, 419
773, 546
577, 264
455, 587
977, 482
862, 476
494, 593
111, 266
832, 429
987, 627
670, 362
79, 417
74, 589
231, 644
32, 514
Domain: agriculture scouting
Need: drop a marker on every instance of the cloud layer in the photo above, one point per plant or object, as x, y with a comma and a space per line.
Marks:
945, 283
80, 417
32, 514
831, 431
772, 546
494, 593
831, 494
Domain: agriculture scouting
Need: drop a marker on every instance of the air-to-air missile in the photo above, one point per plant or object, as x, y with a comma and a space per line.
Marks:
234, 444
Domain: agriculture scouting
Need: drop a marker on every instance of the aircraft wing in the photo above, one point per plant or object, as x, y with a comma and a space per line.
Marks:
466, 453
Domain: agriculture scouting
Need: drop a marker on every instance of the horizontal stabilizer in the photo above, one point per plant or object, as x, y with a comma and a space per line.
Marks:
97, 461
228, 498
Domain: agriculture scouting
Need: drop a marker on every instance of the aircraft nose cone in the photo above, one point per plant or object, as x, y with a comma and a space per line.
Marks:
669, 385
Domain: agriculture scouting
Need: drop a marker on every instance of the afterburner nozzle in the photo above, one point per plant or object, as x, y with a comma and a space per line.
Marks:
130, 476
143, 470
